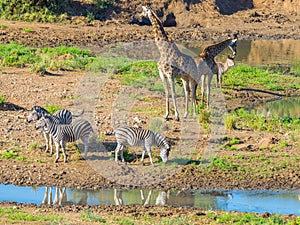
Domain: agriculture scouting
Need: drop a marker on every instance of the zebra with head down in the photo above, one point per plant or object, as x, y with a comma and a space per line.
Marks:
132, 136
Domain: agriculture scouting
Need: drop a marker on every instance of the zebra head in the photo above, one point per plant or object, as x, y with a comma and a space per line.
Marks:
164, 152
43, 122
36, 113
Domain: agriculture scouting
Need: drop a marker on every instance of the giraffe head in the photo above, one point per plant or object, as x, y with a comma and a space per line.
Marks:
159, 31
230, 60
232, 44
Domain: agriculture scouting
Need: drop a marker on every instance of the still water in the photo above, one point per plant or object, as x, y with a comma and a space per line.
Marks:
258, 52
281, 202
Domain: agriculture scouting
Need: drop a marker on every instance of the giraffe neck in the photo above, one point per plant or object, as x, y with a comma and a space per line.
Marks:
213, 50
158, 30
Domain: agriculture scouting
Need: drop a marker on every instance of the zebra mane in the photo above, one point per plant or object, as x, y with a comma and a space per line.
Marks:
160, 140
40, 110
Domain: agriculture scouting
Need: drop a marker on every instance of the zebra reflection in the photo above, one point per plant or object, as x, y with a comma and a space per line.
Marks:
60, 196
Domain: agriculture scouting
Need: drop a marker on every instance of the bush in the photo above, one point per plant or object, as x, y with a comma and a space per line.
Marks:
2, 99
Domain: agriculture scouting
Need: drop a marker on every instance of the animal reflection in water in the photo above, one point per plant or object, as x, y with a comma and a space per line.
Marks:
162, 198
60, 197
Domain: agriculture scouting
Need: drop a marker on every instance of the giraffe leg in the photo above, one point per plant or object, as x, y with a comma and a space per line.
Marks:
166, 87
208, 88
202, 87
186, 95
172, 82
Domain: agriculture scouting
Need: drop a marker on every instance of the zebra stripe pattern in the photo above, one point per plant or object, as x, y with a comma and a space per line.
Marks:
132, 136
62, 116
63, 133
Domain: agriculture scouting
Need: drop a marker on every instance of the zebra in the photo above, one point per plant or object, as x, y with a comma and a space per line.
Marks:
62, 116
63, 133
132, 136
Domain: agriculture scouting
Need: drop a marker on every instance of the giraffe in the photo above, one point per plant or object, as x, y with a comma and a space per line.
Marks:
173, 64
206, 63
223, 68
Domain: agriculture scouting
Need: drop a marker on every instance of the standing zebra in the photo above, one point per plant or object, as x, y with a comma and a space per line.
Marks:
62, 116
63, 133
140, 137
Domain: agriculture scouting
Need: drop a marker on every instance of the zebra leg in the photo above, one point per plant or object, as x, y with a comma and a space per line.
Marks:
121, 153
85, 141
57, 151
51, 143
148, 148
150, 156
116, 153
47, 140
63, 146
143, 155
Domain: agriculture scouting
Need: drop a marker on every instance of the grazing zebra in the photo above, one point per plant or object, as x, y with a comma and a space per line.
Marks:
63, 133
140, 137
62, 116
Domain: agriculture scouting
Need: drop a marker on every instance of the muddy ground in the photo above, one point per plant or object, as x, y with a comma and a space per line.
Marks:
23, 89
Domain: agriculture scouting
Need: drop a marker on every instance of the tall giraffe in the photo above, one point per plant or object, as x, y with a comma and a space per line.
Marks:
207, 58
173, 64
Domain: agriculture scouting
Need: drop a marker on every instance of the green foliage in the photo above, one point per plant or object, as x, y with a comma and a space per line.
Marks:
2, 99
223, 163
89, 216
230, 121
103, 4
256, 121
205, 118
52, 108
41, 11
11, 153
141, 74
22, 215
34, 146
17, 55
28, 30
109, 65
247, 76
247, 218
295, 69
57, 58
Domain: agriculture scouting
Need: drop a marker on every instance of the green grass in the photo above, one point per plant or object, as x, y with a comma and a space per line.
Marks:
28, 30
248, 218
34, 146
13, 153
247, 76
52, 108
89, 216
245, 119
67, 58
22, 215
2, 99
16, 55
141, 74
295, 69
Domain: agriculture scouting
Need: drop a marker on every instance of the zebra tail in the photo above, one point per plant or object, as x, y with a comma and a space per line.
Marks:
79, 114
